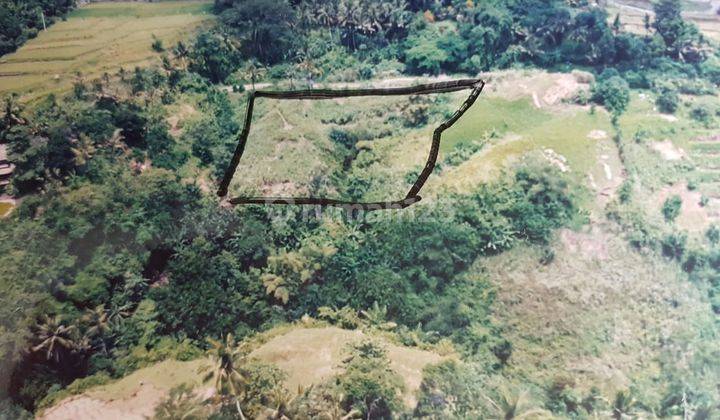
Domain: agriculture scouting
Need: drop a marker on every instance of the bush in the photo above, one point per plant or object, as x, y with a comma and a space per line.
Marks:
343, 137
673, 245
462, 152
701, 114
613, 92
713, 234
667, 100
369, 384
451, 389
157, 45
671, 208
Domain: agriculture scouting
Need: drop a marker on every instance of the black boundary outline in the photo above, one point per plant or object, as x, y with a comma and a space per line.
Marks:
412, 196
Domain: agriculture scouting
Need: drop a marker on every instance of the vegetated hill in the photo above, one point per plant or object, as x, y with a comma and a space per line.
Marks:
96, 39
308, 355
565, 251
590, 315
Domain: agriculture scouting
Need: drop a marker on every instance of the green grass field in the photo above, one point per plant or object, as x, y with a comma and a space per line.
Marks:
95, 39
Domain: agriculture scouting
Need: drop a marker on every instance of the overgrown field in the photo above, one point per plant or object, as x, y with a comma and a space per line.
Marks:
95, 39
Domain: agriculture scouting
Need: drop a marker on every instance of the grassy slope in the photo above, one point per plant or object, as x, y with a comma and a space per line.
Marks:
308, 356
98, 38
600, 314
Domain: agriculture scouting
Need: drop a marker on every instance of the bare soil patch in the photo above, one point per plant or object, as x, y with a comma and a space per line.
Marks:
693, 216
132, 397
667, 150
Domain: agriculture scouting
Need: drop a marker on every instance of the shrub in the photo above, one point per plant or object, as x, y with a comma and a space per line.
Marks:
671, 208
368, 382
667, 100
625, 191
462, 152
673, 245
451, 389
701, 114
343, 137
613, 92
157, 45
713, 234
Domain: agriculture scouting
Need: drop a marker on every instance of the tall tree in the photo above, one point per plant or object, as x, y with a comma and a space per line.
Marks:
263, 26
226, 374
54, 338
668, 21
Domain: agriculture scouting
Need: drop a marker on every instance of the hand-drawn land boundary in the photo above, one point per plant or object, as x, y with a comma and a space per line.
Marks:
412, 196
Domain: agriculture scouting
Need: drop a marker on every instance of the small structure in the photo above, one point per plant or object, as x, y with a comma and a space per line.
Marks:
6, 168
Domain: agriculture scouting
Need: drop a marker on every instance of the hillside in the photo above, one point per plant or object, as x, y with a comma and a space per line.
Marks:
563, 262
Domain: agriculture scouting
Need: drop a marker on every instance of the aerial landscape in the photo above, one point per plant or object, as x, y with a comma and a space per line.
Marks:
561, 259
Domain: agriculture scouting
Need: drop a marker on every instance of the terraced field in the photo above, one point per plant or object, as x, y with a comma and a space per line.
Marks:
632, 13
95, 39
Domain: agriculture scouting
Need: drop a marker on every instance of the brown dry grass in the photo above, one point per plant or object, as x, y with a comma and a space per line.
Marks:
599, 313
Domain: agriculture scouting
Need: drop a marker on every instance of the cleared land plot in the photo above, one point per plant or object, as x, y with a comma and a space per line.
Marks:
98, 38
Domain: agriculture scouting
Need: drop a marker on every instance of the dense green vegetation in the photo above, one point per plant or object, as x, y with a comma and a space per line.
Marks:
119, 256
21, 20
314, 38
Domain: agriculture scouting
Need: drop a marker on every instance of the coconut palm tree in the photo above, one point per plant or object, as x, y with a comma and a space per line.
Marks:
117, 313
54, 338
181, 53
253, 70
181, 404
229, 379
83, 150
98, 325
513, 405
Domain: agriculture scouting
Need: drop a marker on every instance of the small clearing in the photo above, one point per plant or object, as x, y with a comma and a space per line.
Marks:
133, 397
597, 135
312, 355
693, 217
545, 89
667, 150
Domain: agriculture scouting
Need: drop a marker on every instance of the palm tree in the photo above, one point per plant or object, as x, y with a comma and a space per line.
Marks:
307, 68
54, 338
98, 325
377, 317
181, 54
253, 70
83, 150
117, 313
228, 378
181, 404
513, 405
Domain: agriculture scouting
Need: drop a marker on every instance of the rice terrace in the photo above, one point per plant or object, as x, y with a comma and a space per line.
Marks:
96, 39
